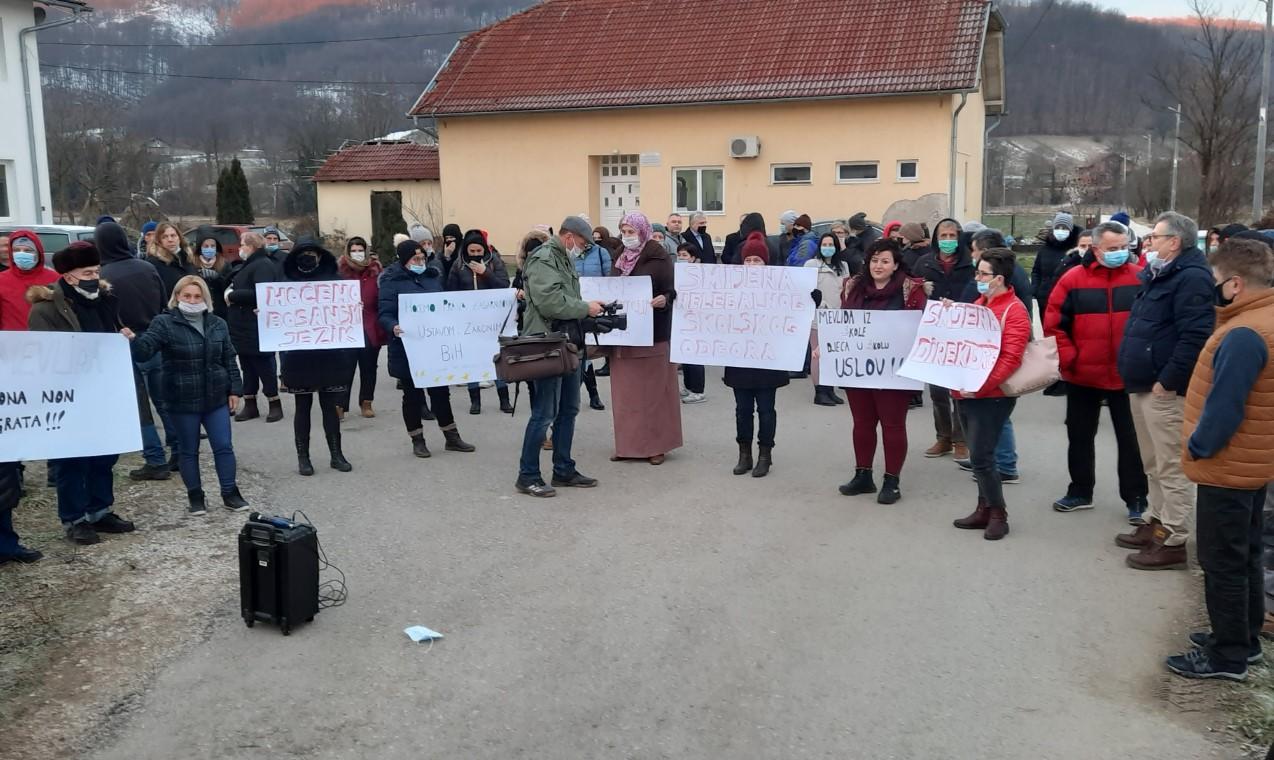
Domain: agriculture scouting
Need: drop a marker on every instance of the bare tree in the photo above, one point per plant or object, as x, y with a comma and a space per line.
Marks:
1213, 81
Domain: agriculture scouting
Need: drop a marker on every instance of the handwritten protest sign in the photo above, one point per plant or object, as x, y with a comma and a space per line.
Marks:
865, 349
452, 337
66, 395
737, 316
307, 316
956, 346
635, 294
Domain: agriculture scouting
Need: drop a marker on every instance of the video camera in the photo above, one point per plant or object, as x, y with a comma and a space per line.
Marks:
611, 318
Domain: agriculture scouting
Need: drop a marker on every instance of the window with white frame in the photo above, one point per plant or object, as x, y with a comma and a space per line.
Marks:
850, 172
791, 174
6, 181
700, 188
909, 170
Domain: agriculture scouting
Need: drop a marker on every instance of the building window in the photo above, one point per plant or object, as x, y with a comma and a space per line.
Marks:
791, 174
909, 170
699, 189
5, 212
857, 171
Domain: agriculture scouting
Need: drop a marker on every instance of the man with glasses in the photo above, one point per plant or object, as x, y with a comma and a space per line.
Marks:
1171, 319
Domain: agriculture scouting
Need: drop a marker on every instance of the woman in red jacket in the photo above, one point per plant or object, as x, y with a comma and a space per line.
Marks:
360, 263
984, 411
884, 285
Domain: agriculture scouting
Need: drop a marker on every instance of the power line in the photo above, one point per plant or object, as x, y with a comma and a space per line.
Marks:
91, 70
258, 44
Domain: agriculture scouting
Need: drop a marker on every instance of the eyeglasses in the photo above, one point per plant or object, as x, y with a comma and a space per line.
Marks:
983, 275
1156, 236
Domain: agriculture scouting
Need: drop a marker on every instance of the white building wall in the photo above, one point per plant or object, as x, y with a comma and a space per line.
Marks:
15, 151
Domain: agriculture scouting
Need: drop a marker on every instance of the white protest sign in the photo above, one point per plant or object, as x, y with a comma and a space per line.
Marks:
453, 337
738, 316
635, 294
865, 349
308, 316
956, 346
66, 395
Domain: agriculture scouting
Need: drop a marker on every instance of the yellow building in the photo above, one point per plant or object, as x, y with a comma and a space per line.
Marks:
824, 106
358, 180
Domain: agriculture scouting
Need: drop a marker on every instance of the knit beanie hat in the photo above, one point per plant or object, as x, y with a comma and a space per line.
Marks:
788, 218
756, 246
803, 221
420, 233
912, 232
399, 238
974, 228
1121, 217
149, 227
662, 230
406, 251
77, 255
1063, 219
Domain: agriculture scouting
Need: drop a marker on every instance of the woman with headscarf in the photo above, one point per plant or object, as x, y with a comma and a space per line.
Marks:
645, 397
415, 272
452, 237
360, 263
325, 372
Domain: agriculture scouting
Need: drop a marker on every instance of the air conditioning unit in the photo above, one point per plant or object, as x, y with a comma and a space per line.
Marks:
745, 147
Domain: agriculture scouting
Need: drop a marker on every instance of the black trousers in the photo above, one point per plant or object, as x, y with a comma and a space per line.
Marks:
301, 419
368, 357
1083, 415
414, 402
694, 376
762, 400
1229, 529
983, 420
259, 369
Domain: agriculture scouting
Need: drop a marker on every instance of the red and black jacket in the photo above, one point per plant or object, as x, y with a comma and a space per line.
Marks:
1086, 312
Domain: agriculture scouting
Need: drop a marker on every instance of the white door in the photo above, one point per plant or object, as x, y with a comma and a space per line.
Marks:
620, 191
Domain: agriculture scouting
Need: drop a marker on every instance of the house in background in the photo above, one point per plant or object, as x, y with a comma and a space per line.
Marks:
825, 106
365, 182
24, 162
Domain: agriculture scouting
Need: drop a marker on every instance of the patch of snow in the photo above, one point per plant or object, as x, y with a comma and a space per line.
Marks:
186, 23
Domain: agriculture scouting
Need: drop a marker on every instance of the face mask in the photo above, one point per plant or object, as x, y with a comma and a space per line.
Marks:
192, 308
1061, 235
358, 256
417, 268
575, 251
208, 253
842, 239
24, 260
272, 247
797, 232
1114, 259
828, 251
948, 246
307, 263
1156, 264
630, 242
87, 288
429, 252
984, 287
703, 228
1221, 300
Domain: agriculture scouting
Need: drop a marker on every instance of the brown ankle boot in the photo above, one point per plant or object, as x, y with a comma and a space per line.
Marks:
997, 526
979, 520
366, 407
1159, 556
1139, 538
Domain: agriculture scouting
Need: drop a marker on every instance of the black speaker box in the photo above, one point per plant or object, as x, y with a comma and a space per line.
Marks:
278, 573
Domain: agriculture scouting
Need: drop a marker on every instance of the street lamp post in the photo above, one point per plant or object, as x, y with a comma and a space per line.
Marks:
1176, 152
1258, 183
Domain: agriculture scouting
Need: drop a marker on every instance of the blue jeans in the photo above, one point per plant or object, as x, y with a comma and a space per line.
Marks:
153, 373
217, 423
555, 402
86, 488
1006, 450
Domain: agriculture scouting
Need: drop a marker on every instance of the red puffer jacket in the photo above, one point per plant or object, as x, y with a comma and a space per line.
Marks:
1086, 312
1015, 335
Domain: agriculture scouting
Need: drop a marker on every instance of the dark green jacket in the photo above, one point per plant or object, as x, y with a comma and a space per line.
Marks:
200, 372
552, 288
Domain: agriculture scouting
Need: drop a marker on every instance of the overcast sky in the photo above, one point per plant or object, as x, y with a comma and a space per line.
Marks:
1238, 8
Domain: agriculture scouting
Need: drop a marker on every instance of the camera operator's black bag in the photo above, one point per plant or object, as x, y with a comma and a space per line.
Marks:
536, 357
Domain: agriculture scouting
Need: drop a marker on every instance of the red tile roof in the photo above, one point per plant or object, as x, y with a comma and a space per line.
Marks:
669, 52
379, 162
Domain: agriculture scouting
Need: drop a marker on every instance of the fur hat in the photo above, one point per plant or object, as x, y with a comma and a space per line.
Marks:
77, 255
756, 246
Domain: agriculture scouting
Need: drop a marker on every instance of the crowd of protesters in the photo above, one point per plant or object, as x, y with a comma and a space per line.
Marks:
1171, 338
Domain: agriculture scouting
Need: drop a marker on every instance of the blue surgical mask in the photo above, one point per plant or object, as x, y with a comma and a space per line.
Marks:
208, 253
984, 287
24, 260
1115, 259
1061, 235
417, 268
1151, 257
828, 251
272, 247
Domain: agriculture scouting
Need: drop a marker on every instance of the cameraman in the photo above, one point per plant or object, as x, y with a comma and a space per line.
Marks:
552, 292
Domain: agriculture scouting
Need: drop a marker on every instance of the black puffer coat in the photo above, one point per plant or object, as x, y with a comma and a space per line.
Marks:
327, 369
200, 372
398, 280
242, 302
1048, 264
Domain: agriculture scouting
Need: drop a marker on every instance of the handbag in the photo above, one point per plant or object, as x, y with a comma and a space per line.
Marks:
1039, 368
536, 357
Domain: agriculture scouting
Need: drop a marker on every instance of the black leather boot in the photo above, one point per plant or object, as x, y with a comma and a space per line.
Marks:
475, 401
889, 493
418, 446
503, 393
303, 463
763, 462
745, 459
861, 484
455, 442
276, 410
338, 459
249, 410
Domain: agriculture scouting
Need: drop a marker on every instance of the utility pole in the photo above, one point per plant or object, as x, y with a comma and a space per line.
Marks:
1176, 152
1258, 184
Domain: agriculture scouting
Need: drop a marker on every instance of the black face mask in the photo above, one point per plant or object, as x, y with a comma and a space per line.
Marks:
307, 262
797, 232
703, 228
1221, 300
88, 286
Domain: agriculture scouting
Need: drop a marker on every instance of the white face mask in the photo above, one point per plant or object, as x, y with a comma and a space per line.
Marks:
630, 242
1061, 235
192, 308
358, 256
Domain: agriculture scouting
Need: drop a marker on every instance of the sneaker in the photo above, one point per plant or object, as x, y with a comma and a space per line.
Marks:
694, 398
684, 393
1197, 664
198, 507
113, 523
1137, 511
83, 534
964, 464
24, 555
1008, 479
1203, 639
485, 384
151, 472
234, 501
574, 480
1072, 504
537, 488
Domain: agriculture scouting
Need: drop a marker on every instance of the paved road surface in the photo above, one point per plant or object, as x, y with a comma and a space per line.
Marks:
681, 612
